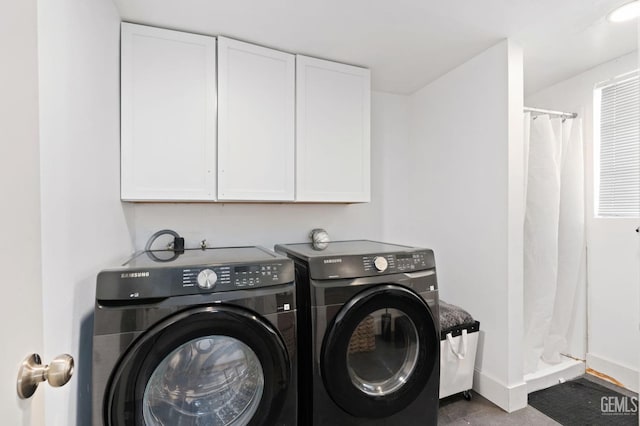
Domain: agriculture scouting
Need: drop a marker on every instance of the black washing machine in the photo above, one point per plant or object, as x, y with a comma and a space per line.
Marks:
368, 334
199, 337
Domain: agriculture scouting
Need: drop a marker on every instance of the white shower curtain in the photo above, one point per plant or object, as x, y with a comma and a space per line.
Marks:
554, 236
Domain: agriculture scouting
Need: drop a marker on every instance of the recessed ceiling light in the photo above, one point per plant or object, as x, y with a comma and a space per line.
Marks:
626, 12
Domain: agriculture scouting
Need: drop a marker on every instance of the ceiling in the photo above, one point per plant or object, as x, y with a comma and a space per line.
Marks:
409, 43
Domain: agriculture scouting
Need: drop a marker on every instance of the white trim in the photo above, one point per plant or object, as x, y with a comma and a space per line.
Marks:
509, 398
622, 373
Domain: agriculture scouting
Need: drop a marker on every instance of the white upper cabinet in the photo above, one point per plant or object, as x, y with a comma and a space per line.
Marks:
258, 125
332, 131
168, 108
256, 122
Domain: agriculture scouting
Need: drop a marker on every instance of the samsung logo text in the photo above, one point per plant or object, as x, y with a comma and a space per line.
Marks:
134, 275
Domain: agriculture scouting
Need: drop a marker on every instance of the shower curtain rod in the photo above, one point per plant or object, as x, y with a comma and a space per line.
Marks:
550, 112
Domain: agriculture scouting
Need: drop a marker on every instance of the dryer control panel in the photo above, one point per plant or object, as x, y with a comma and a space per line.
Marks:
400, 262
354, 266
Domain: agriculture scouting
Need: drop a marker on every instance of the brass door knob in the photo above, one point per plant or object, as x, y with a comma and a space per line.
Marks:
32, 372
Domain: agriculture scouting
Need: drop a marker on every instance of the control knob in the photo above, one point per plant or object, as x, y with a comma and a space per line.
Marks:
207, 279
380, 263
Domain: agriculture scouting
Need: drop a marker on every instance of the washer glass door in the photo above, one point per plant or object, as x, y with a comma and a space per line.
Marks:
208, 365
212, 380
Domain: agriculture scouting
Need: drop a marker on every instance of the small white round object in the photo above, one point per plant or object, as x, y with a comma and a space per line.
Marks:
207, 278
380, 263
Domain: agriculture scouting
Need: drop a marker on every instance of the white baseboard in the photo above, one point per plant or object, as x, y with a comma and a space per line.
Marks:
628, 377
509, 398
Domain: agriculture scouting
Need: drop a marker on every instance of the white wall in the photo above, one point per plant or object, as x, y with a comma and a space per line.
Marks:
613, 261
20, 316
392, 126
85, 227
83, 222
437, 181
268, 224
467, 204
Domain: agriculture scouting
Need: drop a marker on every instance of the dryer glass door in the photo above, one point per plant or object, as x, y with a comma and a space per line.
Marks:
379, 351
383, 352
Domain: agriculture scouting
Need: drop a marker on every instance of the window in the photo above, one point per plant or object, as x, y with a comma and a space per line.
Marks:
617, 123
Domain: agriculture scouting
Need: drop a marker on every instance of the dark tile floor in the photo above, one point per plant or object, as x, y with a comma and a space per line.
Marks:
455, 410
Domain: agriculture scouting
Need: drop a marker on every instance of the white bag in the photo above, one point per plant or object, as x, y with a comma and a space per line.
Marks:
457, 361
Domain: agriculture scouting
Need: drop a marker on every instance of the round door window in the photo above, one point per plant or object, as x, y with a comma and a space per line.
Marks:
382, 352
379, 351
212, 380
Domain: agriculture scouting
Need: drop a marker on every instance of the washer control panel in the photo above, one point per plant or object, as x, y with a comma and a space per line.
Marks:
230, 277
254, 275
157, 283
205, 278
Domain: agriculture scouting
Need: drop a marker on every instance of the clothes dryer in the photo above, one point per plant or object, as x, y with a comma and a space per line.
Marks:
369, 334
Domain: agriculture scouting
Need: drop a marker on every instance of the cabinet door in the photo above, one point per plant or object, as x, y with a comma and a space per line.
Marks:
332, 131
256, 145
168, 110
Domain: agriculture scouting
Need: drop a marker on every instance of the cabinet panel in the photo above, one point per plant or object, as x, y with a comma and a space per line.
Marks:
332, 131
168, 110
256, 119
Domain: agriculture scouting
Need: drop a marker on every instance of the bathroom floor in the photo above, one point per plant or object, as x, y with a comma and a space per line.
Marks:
455, 410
